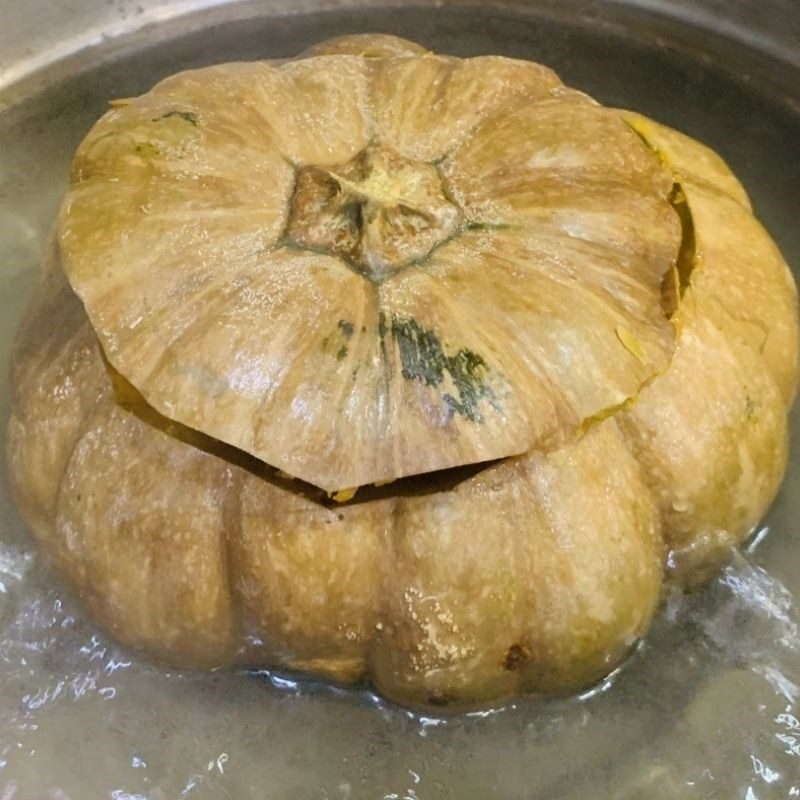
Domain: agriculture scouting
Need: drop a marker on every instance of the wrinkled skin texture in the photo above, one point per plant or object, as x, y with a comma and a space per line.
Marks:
360, 269
659, 441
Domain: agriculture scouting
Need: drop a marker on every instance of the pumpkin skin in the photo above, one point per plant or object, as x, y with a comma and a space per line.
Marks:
662, 442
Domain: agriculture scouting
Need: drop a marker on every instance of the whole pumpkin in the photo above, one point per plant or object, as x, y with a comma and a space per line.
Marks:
383, 365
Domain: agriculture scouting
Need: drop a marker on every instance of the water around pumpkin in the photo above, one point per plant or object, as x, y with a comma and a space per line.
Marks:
708, 707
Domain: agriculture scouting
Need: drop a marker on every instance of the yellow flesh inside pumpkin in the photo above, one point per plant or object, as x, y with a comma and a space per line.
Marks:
278, 282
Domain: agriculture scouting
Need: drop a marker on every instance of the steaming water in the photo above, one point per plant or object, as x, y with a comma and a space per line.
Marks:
709, 707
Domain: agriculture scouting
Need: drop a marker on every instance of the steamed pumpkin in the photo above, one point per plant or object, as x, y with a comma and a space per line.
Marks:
390, 366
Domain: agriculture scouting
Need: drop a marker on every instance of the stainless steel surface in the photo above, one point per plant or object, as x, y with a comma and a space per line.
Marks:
692, 715
37, 33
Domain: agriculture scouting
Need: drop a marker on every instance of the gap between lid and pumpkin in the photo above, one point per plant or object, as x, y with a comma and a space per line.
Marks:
675, 282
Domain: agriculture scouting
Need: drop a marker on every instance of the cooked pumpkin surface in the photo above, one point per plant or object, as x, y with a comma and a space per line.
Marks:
384, 365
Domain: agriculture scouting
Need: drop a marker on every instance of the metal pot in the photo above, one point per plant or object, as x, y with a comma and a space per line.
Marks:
691, 716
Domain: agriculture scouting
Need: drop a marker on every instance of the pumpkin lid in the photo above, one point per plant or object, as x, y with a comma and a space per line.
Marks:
373, 261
